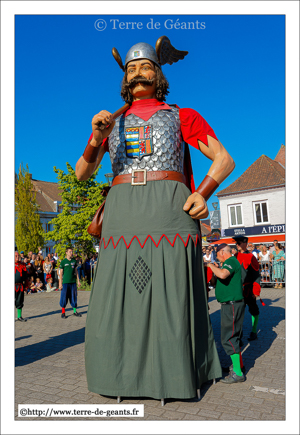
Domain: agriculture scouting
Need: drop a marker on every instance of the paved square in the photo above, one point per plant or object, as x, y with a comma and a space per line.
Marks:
50, 365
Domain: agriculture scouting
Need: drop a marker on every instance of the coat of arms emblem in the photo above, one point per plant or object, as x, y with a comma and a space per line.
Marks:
139, 141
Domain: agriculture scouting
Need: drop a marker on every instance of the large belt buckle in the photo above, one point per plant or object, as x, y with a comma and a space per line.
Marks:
139, 183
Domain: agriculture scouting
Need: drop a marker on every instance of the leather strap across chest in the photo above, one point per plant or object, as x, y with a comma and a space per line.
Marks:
140, 177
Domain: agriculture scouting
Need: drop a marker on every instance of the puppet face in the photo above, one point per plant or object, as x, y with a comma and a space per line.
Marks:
145, 70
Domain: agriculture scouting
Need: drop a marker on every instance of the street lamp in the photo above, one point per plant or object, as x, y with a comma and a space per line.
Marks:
109, 178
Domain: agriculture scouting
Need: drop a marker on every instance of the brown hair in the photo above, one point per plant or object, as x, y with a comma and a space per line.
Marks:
162, 86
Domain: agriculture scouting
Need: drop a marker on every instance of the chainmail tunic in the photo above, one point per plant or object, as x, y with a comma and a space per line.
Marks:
167, 151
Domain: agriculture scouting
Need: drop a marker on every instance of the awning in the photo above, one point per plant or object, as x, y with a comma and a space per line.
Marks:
253, 239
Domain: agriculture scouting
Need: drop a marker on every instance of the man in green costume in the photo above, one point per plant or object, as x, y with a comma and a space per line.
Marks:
67, 283
148, 331
229, 292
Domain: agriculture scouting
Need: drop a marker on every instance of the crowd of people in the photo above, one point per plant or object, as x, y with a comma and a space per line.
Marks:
271, 259
42, 273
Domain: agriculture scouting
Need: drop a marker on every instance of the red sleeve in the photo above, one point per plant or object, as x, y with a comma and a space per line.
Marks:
209, 274
254, 263
194, 128
104, 143
256, 289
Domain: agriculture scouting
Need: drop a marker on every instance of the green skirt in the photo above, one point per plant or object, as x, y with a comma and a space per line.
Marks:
148, 331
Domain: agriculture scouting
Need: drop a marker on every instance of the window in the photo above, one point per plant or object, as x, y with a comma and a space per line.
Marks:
261, 212
235, 215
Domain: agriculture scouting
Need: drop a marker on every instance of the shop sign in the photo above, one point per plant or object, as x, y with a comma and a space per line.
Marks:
249, 231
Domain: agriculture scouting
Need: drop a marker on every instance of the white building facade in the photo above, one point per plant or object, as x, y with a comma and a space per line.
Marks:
254, 205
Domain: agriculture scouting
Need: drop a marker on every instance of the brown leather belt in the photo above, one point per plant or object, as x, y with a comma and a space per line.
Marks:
139, 177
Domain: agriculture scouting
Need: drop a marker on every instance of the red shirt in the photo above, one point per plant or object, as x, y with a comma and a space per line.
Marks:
193, 125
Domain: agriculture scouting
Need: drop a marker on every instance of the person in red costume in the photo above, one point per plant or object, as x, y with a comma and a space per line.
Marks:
148, 331
250, 279
20, 279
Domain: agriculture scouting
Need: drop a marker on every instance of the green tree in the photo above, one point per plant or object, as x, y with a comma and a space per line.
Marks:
80, 201
29, 233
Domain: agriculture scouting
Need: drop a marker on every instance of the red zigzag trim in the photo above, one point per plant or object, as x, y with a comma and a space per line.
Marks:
142, 245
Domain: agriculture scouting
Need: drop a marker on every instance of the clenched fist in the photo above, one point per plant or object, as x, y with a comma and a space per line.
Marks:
103, 117
199, 210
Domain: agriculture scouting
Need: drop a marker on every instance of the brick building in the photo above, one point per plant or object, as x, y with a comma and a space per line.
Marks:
254, 204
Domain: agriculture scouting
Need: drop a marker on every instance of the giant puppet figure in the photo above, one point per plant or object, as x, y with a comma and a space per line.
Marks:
148, 331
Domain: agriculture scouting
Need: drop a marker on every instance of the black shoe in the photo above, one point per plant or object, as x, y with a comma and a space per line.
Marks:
77, 314
20, 319
230, 369
233, 378
252, 336
63, 316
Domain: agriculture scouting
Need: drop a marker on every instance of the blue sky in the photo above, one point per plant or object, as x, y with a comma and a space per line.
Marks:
234, 76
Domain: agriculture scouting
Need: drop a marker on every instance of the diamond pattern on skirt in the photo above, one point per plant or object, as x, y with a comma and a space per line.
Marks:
140, 274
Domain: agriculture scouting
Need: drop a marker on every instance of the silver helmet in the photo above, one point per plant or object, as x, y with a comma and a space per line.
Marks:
142, 50
163, 53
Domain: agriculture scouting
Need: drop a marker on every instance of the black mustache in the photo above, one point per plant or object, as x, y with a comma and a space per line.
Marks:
139, 79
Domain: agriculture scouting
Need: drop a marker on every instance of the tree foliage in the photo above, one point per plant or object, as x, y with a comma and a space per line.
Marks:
80, 201
29, 233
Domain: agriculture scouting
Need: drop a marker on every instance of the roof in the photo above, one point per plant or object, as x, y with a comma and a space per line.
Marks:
205, 229
43, 203
46, 195
48, 188
280, 158
263, 173
206, 222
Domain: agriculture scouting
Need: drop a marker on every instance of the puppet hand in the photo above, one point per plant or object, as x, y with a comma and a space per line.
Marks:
102, 118
199, 208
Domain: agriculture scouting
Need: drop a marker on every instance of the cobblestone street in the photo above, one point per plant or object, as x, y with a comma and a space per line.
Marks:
50, 365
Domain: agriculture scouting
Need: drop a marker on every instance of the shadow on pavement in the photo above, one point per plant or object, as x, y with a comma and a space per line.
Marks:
269, 318
22, 338
37, 351
49, 313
